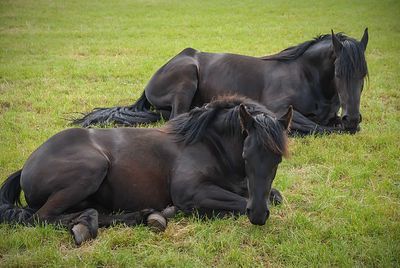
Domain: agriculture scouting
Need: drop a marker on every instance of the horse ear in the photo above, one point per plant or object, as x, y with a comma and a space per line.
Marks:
364, 39
246, 120
337, 46
286, 119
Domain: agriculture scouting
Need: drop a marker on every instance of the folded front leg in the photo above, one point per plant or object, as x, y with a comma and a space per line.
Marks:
212, 200
304, 126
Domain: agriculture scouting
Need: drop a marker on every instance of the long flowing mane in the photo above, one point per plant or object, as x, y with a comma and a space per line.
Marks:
351, 63
194, 126
294, 52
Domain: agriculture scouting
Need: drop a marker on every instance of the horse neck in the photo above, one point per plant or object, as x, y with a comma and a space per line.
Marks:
319, 59
228, 149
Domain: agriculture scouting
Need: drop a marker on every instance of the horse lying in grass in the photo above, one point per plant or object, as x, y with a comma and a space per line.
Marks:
218, 159
317, 78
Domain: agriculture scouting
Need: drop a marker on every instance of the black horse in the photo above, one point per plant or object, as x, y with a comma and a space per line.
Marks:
316, 77
217, 159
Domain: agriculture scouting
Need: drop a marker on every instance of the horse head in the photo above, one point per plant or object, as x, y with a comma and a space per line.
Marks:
263, 148
350, 71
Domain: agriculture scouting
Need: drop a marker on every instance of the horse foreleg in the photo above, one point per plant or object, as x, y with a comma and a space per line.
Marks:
304, 126
275, 197
212, 200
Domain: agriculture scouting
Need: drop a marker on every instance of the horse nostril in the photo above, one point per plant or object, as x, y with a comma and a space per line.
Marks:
345, 118
360, 120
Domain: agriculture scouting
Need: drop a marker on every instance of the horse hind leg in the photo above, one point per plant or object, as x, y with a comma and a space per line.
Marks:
156, 221
177, 100
182, 101
83, 225
174, 86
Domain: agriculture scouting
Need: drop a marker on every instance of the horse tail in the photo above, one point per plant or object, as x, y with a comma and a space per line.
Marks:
11, 209
135, 114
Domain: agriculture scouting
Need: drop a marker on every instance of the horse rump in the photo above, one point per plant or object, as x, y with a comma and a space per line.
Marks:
11, 209
135, 114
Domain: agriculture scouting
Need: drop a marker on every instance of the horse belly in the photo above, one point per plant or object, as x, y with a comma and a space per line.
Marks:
134, 188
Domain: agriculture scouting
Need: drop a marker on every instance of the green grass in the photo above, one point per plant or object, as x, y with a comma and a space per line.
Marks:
342, 192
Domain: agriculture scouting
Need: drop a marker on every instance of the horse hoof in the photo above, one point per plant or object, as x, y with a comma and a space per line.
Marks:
169, 212
81, 233
156, 222
275, 197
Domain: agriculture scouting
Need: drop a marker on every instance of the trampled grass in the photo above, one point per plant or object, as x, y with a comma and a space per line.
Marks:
342, 192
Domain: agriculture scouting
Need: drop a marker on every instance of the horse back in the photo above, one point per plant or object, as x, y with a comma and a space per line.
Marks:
227, 74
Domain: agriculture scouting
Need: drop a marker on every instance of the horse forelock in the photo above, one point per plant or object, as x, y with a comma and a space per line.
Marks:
271, 134
351, 63
191, 127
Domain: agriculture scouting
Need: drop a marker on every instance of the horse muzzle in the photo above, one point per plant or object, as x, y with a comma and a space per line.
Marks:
257, 217
351, 123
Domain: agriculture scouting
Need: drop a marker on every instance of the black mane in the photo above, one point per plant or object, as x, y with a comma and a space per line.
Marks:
294, 52
350, 64
192, 127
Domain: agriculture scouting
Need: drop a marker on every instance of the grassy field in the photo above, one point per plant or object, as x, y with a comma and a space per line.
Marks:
342, 192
